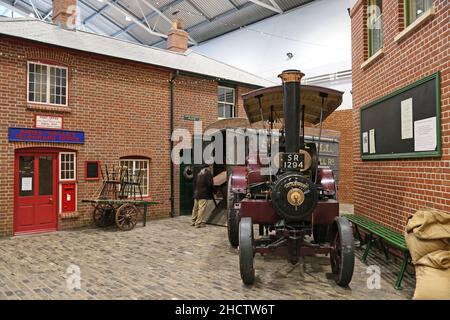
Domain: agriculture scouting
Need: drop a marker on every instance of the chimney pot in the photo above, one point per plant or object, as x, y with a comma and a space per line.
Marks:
177, 39
64, 13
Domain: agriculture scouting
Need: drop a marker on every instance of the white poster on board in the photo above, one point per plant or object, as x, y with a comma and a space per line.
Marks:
407, 118
425, 135
365, 139
27, 184
372, 141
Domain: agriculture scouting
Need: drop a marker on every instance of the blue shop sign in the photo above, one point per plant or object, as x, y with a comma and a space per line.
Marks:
45, 135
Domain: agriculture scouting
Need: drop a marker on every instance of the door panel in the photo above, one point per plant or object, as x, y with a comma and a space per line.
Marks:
35, 204
44, 214
26, 216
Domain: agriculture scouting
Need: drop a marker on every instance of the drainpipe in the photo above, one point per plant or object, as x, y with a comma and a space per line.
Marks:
172, 183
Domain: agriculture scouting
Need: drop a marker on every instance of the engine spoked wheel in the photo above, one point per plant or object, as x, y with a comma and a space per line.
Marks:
232, 217
103, 215
246, 251
126, 217
342, 253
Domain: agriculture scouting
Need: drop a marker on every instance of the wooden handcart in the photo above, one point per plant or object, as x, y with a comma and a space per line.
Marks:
119, 199
123, 213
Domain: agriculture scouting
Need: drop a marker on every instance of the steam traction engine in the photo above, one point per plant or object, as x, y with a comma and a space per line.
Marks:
296, 208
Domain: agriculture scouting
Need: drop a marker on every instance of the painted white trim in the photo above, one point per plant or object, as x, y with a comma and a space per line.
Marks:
48, 84
227, 103
74, 167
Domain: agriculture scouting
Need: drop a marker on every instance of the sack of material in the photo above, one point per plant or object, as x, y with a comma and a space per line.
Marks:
432, 284
429, 224
433, 276
420, 248
428, 230
439, 260
427, 235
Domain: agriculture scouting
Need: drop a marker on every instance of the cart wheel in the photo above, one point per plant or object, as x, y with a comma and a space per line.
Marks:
246, 251
232, 217
342, 254
103, 215
126, 216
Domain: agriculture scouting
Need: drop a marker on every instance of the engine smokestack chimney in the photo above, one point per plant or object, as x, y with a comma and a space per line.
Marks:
291, 108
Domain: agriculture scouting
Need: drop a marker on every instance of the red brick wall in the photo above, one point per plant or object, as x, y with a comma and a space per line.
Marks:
123, 108
342, 121
388, 191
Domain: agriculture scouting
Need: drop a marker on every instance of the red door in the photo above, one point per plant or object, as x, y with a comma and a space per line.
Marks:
35, 192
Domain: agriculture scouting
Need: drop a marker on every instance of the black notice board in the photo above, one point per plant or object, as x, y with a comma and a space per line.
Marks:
385, 118
92, 170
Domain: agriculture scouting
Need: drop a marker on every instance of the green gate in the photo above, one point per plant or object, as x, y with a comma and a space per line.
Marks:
186, 189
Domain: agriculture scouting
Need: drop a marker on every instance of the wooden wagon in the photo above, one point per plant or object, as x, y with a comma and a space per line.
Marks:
119, 199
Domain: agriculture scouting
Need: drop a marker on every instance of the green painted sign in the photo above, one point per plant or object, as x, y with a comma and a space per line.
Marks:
191, 118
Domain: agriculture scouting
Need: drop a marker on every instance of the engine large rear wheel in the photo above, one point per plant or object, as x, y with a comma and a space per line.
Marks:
342, 254
246, 251
232, 217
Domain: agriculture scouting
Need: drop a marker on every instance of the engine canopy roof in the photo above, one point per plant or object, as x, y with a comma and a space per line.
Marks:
273, 97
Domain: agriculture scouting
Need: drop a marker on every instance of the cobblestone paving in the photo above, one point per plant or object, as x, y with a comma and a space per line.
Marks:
168, 259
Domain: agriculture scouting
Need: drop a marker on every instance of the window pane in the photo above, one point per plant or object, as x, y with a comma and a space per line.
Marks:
26, 176
221, 113
417, 8
230, 96
45, 175
136, 167
375, 26
228, 111
67, 166
221, 94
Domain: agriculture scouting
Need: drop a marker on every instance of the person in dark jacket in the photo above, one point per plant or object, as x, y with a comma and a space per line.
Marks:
203, 192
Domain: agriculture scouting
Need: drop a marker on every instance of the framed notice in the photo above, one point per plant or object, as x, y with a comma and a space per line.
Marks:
48, 122
403, 124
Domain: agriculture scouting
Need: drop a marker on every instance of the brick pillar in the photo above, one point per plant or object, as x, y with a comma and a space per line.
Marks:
177, 40
64, 13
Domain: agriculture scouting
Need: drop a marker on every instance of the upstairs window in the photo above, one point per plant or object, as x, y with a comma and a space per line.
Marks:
415, 9
47, 84
226, 99
374, 26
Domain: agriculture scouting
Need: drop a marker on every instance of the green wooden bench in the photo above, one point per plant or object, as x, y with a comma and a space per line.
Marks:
383, 234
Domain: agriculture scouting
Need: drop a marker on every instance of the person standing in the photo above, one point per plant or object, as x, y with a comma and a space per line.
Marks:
203, 192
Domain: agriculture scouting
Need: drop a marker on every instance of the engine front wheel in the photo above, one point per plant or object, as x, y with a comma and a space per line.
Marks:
246, 251
342, 253
232, 217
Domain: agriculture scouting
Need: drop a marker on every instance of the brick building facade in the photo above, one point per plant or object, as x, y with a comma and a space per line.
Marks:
123, 109
121, 104
413, 46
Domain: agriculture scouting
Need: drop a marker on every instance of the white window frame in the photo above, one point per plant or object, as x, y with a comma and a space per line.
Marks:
148, 171
227, 103
48, 83
74, 166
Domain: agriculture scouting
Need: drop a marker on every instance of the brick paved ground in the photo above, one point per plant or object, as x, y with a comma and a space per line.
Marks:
168, 259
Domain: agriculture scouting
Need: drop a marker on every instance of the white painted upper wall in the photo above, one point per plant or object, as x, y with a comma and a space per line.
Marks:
317, 34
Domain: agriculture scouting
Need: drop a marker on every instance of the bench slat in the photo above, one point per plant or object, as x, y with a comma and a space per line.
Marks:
387, 234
